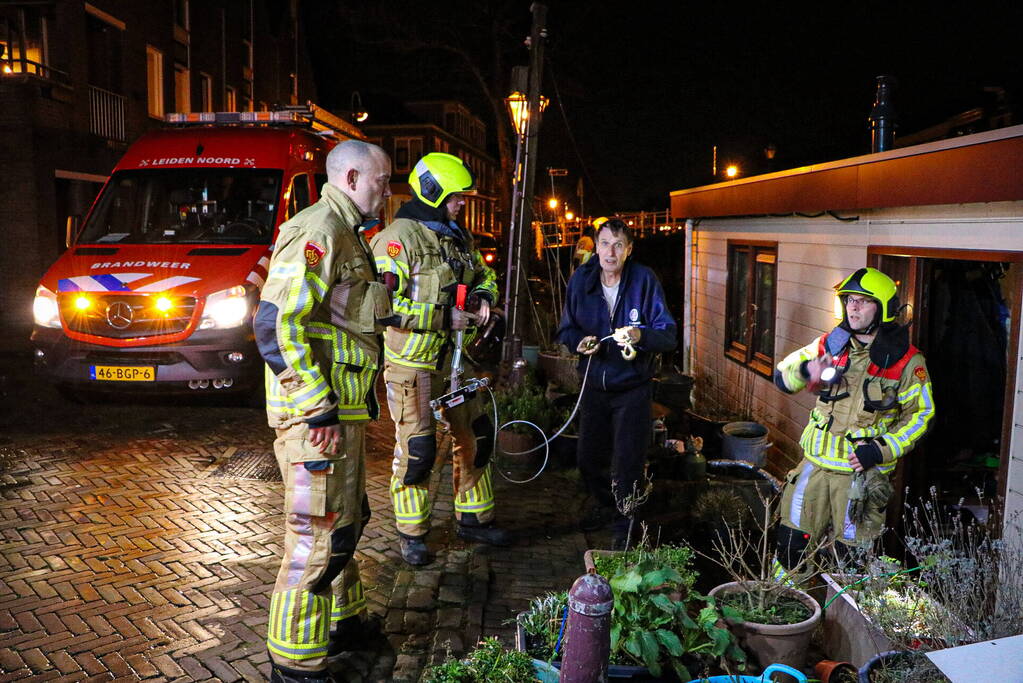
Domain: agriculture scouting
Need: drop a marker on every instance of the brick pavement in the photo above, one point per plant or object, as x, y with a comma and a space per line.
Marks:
129, 550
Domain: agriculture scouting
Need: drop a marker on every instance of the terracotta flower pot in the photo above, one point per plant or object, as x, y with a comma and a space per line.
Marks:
830, 671
775, 643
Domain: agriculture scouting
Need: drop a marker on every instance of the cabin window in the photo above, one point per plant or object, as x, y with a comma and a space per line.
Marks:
752, 286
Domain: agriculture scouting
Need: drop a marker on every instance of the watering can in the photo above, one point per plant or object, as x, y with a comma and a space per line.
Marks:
762, 678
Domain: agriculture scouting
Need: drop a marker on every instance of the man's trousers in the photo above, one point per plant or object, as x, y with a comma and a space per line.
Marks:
318, 583
409, 392
615, 430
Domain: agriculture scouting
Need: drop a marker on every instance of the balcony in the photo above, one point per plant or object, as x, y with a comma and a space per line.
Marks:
106, 114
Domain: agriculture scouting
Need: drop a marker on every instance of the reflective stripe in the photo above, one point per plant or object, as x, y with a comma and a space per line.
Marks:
411, 503
355, 602
796, 508
780, 574
478, 498
299, 625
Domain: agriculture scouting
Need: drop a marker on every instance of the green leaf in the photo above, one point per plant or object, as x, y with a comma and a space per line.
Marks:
663, 602
708, 617
670, 642
616, 633
628, 582
680, 670
632, 646
651, 652
731, 614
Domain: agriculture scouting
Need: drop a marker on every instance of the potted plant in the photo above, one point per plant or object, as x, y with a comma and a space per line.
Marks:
489, 662
559, 365
771, 618
657, 623
519, 445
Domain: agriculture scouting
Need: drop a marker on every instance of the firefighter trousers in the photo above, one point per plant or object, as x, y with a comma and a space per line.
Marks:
409, 392
815, 501
326, 508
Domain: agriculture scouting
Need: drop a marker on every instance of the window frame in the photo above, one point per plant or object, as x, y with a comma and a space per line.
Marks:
155, 105
205, 92
744, 351
182, 88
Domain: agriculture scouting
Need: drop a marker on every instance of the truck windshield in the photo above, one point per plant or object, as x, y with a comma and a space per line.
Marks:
186, 206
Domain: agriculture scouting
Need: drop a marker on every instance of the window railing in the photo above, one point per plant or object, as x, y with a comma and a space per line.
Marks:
27, 66
106, 114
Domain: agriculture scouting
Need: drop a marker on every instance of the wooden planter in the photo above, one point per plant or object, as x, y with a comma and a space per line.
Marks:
775, 643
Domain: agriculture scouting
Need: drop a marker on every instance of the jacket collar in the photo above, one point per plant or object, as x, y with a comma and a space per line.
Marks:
340, 204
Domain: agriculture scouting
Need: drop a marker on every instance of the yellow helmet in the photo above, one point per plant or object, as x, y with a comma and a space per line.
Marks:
875, 284
437, 176
597, 222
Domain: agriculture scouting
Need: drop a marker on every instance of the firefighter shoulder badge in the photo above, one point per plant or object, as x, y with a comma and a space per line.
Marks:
314, 253
393, 248
920, 373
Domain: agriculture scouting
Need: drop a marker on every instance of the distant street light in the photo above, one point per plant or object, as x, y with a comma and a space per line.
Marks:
552, 202
569, 215
732, 171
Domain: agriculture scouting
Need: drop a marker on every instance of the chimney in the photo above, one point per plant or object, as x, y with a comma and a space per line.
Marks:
882, 116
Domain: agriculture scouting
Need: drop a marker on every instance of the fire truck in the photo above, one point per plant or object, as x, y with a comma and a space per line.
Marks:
159, 283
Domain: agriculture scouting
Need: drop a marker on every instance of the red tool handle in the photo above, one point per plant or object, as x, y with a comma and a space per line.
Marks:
460, 297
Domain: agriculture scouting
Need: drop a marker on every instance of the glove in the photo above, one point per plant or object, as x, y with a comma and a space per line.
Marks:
869, 488
857, 497
869, 454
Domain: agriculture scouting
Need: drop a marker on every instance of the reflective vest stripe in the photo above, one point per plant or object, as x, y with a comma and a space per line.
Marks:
300, 633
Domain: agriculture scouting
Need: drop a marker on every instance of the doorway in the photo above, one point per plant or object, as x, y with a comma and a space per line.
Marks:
963, 310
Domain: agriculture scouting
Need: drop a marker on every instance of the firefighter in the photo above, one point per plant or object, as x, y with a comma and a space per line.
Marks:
423, 256
585, 246
874, 403
317, 329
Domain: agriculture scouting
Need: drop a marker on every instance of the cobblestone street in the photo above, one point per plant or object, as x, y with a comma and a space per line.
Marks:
140, 540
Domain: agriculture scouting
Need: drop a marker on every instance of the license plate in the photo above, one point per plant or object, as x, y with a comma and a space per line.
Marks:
123, 373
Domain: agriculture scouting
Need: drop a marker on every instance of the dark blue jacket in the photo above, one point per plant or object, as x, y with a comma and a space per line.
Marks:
640, 303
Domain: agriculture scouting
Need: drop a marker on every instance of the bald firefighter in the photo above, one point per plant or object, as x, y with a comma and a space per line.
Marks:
874, 403
423, 256
317, 329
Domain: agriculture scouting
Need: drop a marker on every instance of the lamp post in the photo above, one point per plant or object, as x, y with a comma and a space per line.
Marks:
525, 114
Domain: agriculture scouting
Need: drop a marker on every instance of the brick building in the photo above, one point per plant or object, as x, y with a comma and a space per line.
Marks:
80, 81
442, 126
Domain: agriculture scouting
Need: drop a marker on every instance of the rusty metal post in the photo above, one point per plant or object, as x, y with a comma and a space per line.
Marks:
588, 635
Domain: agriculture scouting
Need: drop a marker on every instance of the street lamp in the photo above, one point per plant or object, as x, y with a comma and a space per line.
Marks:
552, 202
732, 171
569, 215
518, 109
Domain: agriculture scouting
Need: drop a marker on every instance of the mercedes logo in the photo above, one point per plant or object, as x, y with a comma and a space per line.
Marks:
119, 315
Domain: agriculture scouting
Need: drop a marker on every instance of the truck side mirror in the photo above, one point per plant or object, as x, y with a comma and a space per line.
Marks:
71, 229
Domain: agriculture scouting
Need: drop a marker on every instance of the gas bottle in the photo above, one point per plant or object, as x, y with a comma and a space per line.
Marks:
588, 633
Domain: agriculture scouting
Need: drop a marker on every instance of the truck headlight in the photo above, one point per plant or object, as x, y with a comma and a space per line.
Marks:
44, 308
227, 308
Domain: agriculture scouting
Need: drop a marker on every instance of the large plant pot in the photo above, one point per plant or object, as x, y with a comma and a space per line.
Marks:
849, 635
878, 661
561, 370
519, 451
771, 643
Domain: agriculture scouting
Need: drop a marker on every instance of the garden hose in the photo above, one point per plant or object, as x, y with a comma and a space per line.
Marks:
859, 581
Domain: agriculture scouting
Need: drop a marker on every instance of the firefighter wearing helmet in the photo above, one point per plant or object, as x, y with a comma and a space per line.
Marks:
874, 403
423, 256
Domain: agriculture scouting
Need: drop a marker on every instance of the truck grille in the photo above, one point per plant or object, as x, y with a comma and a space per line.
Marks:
120, 316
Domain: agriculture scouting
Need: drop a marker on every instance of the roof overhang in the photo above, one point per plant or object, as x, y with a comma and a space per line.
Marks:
984, 167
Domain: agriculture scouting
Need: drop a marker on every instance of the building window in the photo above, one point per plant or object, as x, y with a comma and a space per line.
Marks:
154, 81
401, 160
752, 285
206, 91
182, 90
230, 99
24, 41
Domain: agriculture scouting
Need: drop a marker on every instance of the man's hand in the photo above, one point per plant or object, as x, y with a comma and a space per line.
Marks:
327, 438
814, 368
483, 313
462, 319
866, 455
588, 346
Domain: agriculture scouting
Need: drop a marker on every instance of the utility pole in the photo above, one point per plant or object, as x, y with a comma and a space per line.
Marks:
522, 201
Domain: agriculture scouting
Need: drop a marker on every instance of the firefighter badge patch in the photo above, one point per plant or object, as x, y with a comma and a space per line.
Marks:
313, 254
921, 374
393, 248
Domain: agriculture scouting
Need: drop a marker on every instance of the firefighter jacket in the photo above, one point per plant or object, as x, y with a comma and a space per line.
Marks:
317, 323
893, 405
640, 303
428, 259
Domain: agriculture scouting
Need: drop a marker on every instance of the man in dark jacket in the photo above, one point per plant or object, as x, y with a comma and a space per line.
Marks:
616, 318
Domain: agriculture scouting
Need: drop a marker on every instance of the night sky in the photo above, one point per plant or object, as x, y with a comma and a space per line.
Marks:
647, 92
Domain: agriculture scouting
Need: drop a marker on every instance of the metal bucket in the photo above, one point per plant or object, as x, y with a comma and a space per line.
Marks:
745, 441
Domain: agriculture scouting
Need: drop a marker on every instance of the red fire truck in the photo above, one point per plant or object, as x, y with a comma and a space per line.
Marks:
159, 284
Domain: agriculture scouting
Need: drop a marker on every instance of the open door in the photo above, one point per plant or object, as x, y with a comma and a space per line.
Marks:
964, 308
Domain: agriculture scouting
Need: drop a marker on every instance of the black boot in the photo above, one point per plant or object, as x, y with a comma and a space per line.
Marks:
282, 674
413, 550
354, 634
485, 533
